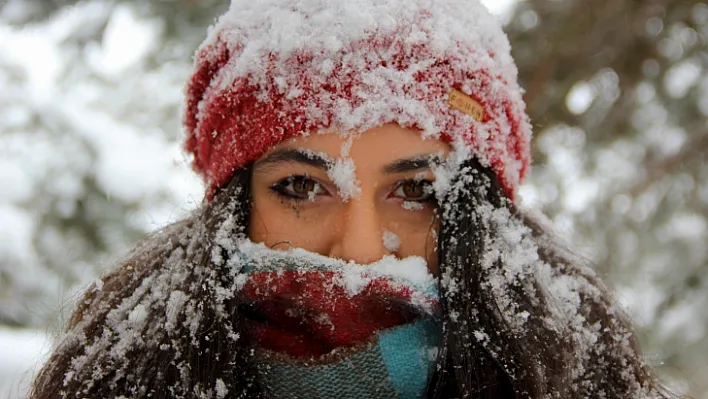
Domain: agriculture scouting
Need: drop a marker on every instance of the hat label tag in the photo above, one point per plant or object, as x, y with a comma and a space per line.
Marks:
466, 104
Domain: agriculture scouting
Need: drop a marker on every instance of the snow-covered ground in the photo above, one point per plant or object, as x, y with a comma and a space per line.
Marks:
21, 352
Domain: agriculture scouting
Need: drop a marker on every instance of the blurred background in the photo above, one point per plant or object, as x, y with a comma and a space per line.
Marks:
91, 161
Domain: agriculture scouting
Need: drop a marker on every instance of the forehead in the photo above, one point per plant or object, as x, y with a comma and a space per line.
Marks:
375, 146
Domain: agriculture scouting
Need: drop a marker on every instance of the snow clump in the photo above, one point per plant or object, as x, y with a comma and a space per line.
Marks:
342, 173
391, 241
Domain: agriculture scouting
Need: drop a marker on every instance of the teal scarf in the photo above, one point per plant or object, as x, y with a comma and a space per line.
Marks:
323, 328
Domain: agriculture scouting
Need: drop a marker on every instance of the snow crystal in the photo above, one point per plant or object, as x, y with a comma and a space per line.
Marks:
324, 319
221, 389
445, 172
413, 206
481, 336
450, 285
342, 174
524, 315
340, 170
391, 241
174, 307
348, 142
353, 280
312, 194
138, 315
224, 240
412, 268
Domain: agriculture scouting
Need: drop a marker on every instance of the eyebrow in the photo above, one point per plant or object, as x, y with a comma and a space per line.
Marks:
286, 155
293, 155
414, 164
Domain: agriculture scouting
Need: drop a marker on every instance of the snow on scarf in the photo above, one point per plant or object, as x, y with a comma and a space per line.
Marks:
325, 328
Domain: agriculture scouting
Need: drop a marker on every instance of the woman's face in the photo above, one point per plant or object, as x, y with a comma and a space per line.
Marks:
296, 202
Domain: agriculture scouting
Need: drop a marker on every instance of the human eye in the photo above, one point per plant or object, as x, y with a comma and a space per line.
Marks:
298, 187
414, 190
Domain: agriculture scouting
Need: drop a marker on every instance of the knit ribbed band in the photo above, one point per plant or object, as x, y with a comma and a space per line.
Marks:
275, 69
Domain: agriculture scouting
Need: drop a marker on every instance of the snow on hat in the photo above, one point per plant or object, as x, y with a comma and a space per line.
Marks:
270, 70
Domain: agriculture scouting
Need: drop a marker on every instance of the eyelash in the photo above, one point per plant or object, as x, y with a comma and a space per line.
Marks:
279, 188
427, 187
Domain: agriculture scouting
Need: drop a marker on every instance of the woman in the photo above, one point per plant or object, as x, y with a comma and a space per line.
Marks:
360, 236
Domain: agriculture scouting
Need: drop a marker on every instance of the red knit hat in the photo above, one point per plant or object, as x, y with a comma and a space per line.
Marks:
274, 69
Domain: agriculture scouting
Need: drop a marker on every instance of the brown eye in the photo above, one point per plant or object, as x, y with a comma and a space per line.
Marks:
413, 190
298, 188
303, 186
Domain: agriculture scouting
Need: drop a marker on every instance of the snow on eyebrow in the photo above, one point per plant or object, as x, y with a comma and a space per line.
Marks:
316, 154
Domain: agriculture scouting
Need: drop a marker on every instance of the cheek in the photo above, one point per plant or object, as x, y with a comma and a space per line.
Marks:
418, 236
280, 224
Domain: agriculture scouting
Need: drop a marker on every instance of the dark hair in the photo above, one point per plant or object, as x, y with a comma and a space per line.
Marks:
483, 355
165, 323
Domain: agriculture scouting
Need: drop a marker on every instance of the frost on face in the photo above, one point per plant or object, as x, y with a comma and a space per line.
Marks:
391, 241
178, 291
180, 306
342, 173
413, 206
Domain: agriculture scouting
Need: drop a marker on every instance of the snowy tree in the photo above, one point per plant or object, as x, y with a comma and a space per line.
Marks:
90, 151
618, 92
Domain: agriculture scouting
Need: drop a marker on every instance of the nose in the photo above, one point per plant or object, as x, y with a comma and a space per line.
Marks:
359, 234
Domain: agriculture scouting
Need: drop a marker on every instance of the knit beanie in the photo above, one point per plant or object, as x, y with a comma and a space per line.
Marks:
270, 70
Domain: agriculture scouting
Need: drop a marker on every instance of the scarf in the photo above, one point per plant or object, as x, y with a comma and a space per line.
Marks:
324, 328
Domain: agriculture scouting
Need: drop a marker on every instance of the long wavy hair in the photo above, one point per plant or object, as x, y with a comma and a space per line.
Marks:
523, 316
